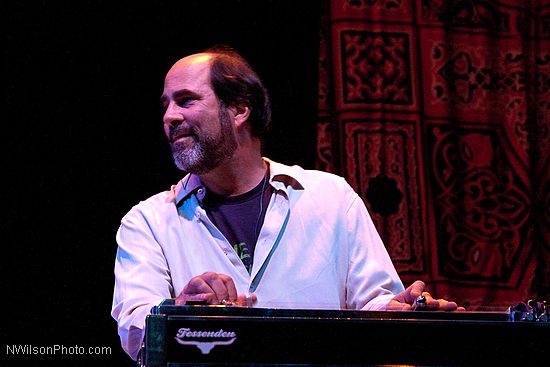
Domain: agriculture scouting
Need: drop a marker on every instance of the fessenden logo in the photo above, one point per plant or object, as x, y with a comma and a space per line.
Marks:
205, 340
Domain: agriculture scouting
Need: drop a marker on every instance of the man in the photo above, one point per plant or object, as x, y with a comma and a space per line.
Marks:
242, 229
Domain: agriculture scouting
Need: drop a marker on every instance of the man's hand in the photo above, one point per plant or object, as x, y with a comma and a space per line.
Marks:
405, 301
214, 289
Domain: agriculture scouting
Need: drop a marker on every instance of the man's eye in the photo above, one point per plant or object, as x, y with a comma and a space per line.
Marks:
184, 102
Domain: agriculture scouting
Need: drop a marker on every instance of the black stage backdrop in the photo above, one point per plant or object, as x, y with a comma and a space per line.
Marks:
83, 142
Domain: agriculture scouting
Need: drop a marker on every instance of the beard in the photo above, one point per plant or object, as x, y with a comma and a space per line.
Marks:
206, 152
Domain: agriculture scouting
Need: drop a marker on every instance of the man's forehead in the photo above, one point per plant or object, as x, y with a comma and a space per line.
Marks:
191, 69
195, 59
190, 75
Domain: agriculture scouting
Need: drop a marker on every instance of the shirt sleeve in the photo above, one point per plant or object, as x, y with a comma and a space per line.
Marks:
372, 278
142, 279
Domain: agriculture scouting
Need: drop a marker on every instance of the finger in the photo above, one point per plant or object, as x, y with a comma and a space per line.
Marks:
395, 305
230, 287
416, 289
247, 300
439, 304
197, 285
430, 303
196, 290
412, 292
445, 305
201, 298
217, 284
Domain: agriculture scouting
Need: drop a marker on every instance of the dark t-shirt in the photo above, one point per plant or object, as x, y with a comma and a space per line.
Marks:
240, 218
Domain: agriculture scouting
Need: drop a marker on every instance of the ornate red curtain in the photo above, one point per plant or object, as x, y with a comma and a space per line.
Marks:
438, 114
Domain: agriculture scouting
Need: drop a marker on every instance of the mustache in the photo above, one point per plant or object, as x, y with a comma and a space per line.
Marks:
180, 131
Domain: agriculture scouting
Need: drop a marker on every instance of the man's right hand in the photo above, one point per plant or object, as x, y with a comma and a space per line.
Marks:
213, 289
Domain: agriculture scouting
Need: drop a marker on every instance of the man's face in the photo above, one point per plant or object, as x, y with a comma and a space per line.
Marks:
199, 130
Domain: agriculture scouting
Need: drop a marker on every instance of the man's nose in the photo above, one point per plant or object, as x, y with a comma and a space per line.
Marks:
172, 117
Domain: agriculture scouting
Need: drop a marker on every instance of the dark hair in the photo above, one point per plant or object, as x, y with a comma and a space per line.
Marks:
235, 83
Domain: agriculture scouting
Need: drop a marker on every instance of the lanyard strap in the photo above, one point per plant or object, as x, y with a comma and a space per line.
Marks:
261, 272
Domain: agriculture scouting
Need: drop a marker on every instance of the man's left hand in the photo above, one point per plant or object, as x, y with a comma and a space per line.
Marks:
405, 301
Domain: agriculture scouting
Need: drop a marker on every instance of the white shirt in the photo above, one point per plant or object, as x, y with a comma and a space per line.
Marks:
318, 249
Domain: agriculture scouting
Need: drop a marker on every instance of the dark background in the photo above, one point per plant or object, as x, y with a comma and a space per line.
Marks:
83, 142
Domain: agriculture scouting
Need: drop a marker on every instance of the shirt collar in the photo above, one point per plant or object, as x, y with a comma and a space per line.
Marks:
281, 177
190, 184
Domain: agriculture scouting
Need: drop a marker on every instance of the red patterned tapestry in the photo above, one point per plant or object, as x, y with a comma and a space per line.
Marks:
438, 114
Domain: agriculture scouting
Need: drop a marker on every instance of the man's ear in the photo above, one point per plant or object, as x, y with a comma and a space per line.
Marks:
241, 113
